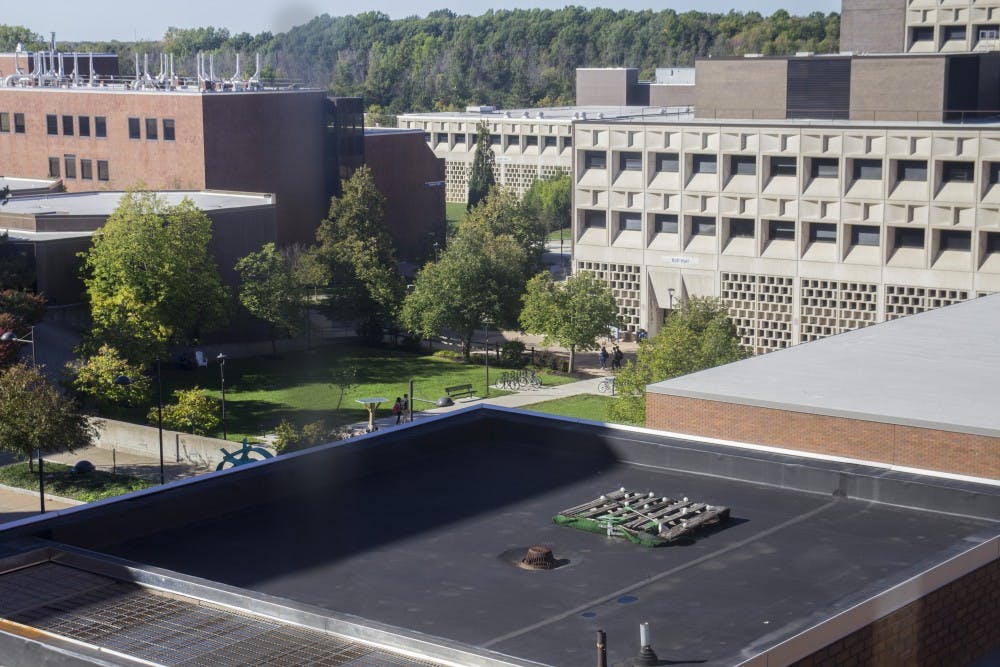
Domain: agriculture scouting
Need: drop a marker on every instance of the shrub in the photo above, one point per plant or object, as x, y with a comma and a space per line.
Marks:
95, 378
291, 438
194, 412
512, 354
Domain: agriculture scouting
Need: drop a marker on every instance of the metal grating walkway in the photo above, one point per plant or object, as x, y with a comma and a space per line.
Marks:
168, 630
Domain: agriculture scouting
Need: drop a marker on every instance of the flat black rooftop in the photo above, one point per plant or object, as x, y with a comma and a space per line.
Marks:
416, 528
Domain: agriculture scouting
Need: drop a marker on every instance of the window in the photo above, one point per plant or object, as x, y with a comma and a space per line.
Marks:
992, 243
494, 140
666, 223
531, 141
567, 142
594, 219
102, 170
957, 172
168, 129
512, 140
630, 161
70, 162
867, 170
702, 226
781, 230
994, 168
988, 32
741, 228
19, 123
51, 124
550, 142
442, 137
53, 167
822, 232
427, 137
704, 164
907, 237
824, 167
595, 160
83, 122
4, 121
782, 166
667, 163
133, 128
911, 170
67, 125
86, 170
951, 32
865, 235
745, 165
923, 34
955, 239
151, 129
630, 222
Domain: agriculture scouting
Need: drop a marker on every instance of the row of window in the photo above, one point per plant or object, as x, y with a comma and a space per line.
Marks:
86, 172
76, 125
953, 33
135, 125
504, 141
5, 125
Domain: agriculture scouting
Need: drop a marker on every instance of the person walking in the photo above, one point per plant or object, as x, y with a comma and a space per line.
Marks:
616, 359
397, 409
405, 407
604, 357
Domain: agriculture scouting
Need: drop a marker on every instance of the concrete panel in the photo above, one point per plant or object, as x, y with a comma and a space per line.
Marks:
886, 88
872, 26
741, 88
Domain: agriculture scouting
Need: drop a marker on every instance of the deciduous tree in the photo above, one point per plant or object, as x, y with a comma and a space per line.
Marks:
95, 378
270, 291
483, 177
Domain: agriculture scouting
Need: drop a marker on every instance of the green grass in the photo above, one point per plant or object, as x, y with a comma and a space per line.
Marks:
567, 234
60, 480
583, 406
454, 212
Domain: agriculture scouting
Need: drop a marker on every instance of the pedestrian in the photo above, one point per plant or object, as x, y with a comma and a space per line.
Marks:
604, 357
616, 360
397, 409
406, 407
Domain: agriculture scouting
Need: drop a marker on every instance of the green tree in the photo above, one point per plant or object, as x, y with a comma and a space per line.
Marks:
550, 201
95, 377
12, 35
194, 412
571, 314
344, 377
483, 177
17, 269
502, 213
150, 278
35, 416
697, 336
270, 291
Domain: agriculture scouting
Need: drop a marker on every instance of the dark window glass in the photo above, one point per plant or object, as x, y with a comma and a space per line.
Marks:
53, 167
868, 170
988, 31
951, 32
84, 123
631, 222
594, 219
745, 165
992, 243
782, 166
495, 140
630, 161
70, 163
152, 129
823, 232
531, 141
168, 129
512, 140
100, 126
550, 142
741, 228
4, 121
955, 239
51, 124
702, 226
67, 125
86, 170
667, 163
595, 160
824, 167
911, 170
704, 164
133, 128
19, 123
427, 137
459, 139
781, 230
102, 170
442, 137
865, 235
666, 223
567, 142
907, 237
923, 34
994, 172
957, 172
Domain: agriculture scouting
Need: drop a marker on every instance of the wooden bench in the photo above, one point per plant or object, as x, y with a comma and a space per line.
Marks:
459, 391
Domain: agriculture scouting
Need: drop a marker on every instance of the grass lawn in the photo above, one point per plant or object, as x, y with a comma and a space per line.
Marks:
583, 406
567, 234
454, 213
60, 480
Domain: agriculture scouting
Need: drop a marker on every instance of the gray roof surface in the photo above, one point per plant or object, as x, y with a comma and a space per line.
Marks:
16, 184
936, 369
104, 203
552, 113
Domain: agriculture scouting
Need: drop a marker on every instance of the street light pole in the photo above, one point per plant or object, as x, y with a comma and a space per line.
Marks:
222, 378
159, 416
41, 481
486, 324
11, 337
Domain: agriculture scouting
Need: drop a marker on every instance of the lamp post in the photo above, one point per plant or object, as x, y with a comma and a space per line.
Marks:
124, 381
222, 379
670, 293
486, 324
41, 482
11, 337
437, 250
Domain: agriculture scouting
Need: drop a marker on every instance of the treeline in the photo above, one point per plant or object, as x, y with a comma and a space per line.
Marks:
509, 58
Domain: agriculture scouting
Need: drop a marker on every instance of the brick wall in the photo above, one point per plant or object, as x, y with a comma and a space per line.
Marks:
944, 451
954, 625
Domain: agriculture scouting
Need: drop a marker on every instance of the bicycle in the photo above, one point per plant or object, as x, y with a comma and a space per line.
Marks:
607, 385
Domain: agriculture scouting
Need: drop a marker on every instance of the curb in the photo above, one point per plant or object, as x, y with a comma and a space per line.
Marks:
48, 496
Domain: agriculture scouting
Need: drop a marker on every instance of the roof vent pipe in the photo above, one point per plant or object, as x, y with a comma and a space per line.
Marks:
17, 61
76, 68
211, 67
62, 71
138, 72
93, 76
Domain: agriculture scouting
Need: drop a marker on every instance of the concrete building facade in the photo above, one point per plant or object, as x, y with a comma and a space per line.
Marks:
919, 26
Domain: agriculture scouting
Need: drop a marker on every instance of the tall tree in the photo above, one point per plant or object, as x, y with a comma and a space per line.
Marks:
550, 201
150, 278
482, 178
270, 291
571, 314
696, 336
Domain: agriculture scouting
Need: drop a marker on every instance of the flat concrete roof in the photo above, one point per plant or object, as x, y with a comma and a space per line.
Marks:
936, 369
682, 117
15, 183
420, 528
104, 203
569, 113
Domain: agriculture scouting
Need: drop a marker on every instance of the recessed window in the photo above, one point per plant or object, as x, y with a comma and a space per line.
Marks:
822, 232
630, 161
704, 164
992, 243
741, 228
594, 219
67, 125
782, 166
70, 163
18, 123
100, 126
908, 237
442, 137
5, 122
530, 141
495, 139
53, 167
513, 140
742, 165
595, 160
83, 122
667, 163
630, 222
953, 32
824, 167
865, 235
870, 170
781, 230
994, 169
51, 124
666, 223
911, 170
567, 142
86, 170
702, 226
151, 129
427, 137
550, 142
133, 128
168, 129
955, 239
922, 34
957, 172
102, 170
988, 32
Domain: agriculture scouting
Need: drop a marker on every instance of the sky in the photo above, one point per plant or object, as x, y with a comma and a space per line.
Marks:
95, 20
